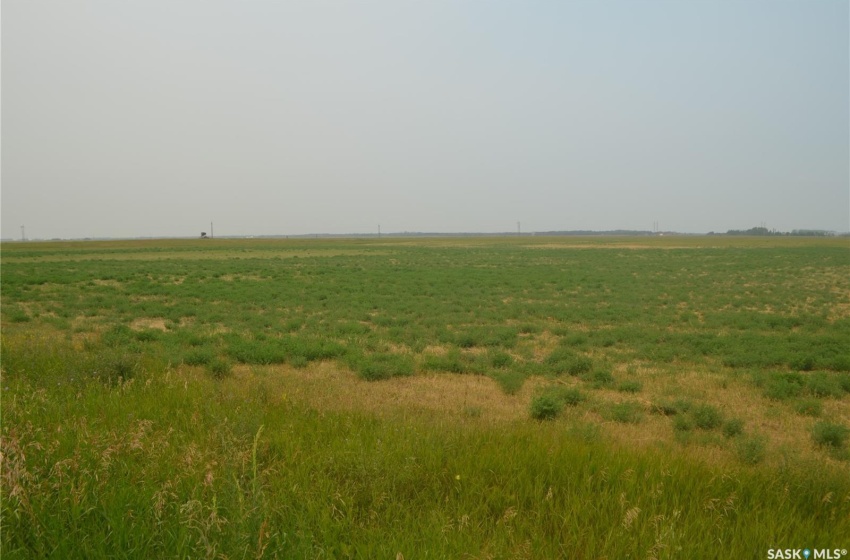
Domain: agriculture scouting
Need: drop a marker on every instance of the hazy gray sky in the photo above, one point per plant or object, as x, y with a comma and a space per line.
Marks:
281, 117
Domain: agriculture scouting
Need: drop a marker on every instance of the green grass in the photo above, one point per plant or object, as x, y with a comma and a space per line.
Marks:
809, 407
751, 450
626, 413
599, 378
565, 360
706, 417
167, 398
830, 434
546, 407
199, 356
374, 367
510, 381
369, 488
733, 427
824, 384
630, 386
219, 368
683, 423
549, 403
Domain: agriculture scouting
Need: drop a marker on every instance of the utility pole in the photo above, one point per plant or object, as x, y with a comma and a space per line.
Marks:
518, 231
379, 231
23, 234
211, 230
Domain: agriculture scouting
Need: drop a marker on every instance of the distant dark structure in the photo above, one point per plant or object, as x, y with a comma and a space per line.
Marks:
797, 232
204, 235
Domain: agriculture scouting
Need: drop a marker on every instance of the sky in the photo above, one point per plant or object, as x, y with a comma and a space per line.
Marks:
155, 118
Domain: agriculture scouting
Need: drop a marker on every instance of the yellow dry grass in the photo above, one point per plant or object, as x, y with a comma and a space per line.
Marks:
327, 386
142, 323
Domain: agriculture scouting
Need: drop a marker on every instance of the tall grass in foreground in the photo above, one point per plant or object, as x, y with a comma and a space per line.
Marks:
170, 465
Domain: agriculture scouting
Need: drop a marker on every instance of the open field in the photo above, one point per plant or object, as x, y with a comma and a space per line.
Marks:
522, 397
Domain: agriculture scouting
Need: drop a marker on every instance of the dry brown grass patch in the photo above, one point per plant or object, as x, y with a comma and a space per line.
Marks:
327, 386
436, 350
142, 323
542, 344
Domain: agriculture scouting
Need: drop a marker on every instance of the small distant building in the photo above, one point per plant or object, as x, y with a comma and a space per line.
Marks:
204, 235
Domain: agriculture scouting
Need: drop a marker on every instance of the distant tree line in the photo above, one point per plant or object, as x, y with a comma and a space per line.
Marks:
796, 232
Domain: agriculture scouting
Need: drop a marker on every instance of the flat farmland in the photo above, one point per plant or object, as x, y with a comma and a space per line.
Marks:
490, 397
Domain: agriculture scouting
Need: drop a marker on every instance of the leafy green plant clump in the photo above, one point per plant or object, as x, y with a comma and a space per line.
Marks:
627, 412
830, 434
115, 366
782, 386
733, 427
500, 359
219, 368
570, 396
629, 386
552, 400
509, 380
490, 336
452, 361
820, 384
598, 378
823, 384
751, 450
374, 367
803, 363
844, 379
564, 360
545, 407
199, 356
682, 423
809, 407
706, 417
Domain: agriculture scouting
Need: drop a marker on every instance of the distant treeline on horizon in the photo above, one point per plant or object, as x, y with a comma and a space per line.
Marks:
795, 232
756, 231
